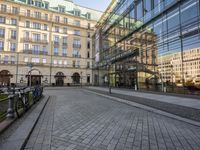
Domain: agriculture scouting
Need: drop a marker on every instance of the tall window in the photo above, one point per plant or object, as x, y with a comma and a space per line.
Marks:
77, 23
57, 18
14, 10
3, 7
37, 14
26, 47
13, 21
56, 29
36, 37
2, 32
1, 45
45, 27
77, 32
88, 15
36, 49
36, 25
13, 47
88, 44
27, 24
65, 20
64, 40
65, 30
12, 59
55, 51
2, 20
56, 39
64, 51
13, 34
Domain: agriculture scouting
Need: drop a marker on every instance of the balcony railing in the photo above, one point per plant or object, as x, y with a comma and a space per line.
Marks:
64, 44
41, 17
76, 45
55, 43
39, 41
76, 55
9, 10
30, 51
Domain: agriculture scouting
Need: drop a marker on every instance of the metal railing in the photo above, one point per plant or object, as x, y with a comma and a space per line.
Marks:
11, 104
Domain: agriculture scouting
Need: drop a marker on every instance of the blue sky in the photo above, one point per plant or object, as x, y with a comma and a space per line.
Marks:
95, 4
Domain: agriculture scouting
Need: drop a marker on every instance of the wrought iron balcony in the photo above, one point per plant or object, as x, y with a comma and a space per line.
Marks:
76, 45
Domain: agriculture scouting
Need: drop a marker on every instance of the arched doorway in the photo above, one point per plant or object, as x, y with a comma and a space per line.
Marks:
76, 78
60, 78
5, 77
34, 76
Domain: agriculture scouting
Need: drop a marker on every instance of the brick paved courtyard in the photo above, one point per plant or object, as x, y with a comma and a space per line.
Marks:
76, 119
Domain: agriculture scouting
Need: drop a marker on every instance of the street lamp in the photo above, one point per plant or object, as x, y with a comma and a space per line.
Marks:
30, 65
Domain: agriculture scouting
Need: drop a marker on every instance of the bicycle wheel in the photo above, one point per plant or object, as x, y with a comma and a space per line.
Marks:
19, 107
26, 102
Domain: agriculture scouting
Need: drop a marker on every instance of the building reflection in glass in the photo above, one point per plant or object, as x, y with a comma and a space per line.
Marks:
149, 44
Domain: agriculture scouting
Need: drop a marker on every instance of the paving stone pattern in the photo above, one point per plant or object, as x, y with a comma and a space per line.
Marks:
77, 120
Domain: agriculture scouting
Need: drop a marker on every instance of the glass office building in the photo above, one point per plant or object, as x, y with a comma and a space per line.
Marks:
149, 45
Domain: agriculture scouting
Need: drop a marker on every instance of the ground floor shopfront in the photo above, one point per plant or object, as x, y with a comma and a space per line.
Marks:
41, 75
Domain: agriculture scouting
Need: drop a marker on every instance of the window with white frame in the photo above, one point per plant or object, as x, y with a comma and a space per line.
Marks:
6, 59
55, 51
64, 51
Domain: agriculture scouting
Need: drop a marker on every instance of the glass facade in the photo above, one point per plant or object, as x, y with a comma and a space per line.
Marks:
150, 45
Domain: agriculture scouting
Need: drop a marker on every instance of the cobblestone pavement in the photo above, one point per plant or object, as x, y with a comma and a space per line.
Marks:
76, 120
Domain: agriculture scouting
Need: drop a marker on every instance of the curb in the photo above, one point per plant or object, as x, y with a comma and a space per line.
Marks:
20, 136
147, 108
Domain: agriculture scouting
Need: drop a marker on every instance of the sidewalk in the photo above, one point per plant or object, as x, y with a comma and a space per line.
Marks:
184, 107
187, 102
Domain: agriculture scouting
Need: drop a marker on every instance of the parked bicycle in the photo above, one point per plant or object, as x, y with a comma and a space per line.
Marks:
37, 93
22, 102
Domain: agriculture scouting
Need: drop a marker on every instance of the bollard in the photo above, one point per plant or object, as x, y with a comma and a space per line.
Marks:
110, 90
10, 111
136, 88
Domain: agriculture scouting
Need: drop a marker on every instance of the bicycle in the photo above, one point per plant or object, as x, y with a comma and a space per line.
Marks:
22, 100
37, 93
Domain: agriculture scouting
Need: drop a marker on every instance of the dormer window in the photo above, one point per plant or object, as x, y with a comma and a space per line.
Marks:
61, 9
38, 4
88, 16
77, 13
46, 5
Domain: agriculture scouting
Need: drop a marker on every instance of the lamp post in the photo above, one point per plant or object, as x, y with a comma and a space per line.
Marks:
30, 65
109, 86
81, 79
